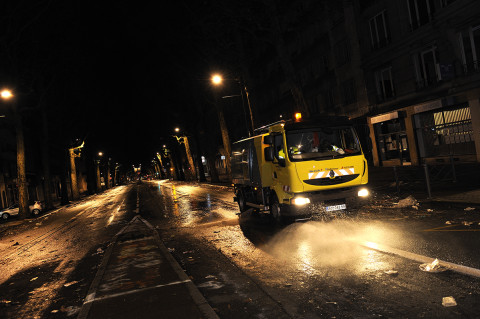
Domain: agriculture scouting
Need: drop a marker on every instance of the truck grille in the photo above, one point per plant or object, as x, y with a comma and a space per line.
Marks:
331, 181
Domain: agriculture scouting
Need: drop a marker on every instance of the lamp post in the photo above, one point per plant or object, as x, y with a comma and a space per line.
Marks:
97, 162
7, 95
217, 80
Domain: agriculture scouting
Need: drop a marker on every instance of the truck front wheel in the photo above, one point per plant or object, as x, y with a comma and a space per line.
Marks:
276, 210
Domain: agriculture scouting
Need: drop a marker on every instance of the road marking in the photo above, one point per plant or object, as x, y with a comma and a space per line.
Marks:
445, 228
92, 298
474, 272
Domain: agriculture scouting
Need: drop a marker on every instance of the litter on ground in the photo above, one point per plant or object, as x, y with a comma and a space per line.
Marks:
391, 272
434, 267
406, 202
469, 209
448, 301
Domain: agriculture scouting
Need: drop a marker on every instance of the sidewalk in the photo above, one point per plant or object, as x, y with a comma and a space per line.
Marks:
138, 278
465, 190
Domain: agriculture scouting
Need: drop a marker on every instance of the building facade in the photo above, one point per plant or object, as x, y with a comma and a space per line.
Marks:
405, 70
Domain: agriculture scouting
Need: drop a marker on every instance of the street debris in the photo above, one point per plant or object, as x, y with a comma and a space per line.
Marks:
216, 231
171, 250
448, 301
465, 223
54, 311
433, 267
99, 251
429, 210
188, 252
34, 278
211, 285
391, 272
5, 301
410, 201
469, 209
68, 284
16, 244
210, 277
448, 222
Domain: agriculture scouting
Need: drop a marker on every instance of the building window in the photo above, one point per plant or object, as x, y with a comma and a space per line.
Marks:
445, 132
427, 70
379, 31
470, 47
384, 84
420, 12
349, 92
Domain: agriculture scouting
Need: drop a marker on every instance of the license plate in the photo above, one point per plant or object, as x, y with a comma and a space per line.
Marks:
335, 207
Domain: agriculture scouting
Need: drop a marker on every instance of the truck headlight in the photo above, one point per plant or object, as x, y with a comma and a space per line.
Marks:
363, 192
299, 201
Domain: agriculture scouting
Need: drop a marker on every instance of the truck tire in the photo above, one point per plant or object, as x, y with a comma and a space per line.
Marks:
276, 211
242, 201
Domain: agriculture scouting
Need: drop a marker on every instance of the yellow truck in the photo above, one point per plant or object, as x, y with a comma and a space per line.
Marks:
295, 170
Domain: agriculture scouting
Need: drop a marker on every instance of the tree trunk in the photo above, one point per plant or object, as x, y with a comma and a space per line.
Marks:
201, 171
213, 170
99, 182
23, 209
193, 171
225, 137
63, 181
47, 190
73, 175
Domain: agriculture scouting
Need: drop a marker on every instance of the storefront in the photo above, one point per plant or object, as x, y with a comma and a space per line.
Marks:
431, 132
391, 136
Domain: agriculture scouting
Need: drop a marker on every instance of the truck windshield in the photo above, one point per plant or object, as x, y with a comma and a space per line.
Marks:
322, 143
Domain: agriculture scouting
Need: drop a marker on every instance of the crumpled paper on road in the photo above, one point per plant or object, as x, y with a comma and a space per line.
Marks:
410, 201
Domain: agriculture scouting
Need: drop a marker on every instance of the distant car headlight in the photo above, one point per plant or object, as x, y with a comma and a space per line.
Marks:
299, 201
363, 192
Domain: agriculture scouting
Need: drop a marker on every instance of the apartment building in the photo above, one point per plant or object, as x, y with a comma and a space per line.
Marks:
405, 70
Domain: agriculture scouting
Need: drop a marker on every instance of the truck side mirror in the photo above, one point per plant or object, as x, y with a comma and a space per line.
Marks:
268, 139
269, 155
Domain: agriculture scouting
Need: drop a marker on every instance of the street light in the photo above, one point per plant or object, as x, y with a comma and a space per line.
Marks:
217, 79
6, 94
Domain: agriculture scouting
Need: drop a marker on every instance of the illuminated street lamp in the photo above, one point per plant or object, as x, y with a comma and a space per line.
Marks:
217, 79
6, 94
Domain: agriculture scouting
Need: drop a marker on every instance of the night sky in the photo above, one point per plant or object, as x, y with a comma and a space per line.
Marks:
118, 74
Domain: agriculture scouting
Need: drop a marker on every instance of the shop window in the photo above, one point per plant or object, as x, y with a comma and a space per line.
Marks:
392, 141
384, 84
445, 132
379, 34
420, 12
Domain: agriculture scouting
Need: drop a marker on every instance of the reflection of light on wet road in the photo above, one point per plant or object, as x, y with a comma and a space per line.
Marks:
304, 253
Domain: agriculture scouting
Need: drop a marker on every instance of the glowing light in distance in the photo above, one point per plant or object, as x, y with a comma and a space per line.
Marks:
298, 116
6, 94
217, 79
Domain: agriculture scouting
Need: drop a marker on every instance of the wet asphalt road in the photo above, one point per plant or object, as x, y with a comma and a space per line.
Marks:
246, 268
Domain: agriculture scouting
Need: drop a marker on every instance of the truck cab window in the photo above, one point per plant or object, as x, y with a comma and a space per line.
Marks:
278, 146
